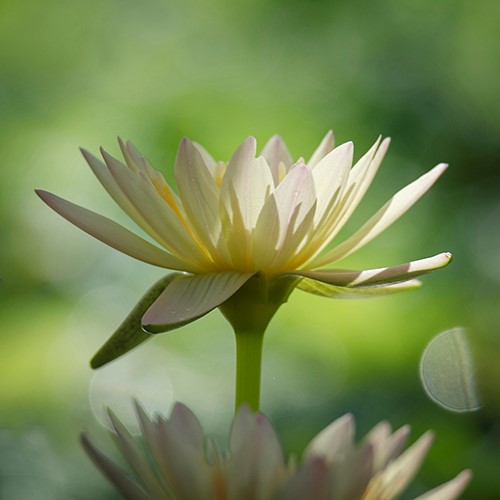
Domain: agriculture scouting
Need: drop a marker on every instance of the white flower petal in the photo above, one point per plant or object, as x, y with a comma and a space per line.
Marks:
396, 476
389, 213
187, 427
322, 150
342, 292
358, 181
384, 275
312, 481
107, 180
198, 192
450, 490
207, 158
173, 233
329, 178
275, 152
285, 218
256, 466
336, 440
135, 458
189, 297
247, 183
113, 234
119, 478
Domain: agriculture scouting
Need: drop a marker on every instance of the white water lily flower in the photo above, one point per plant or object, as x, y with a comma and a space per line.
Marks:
258, 217
173, 460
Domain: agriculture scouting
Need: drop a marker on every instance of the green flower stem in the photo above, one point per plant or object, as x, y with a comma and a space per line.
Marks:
249, 311
248, 368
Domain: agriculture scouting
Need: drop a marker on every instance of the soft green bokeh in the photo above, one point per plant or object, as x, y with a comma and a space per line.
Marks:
75, 73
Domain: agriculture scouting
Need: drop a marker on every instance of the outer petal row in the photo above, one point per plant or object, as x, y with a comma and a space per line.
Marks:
389, 213
113, 234
381, 276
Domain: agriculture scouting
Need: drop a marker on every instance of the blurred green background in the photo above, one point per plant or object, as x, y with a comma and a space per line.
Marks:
79, 73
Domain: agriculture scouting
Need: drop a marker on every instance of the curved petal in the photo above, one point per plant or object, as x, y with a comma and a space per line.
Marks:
384, 275
136, 458
394, 478
119, 478
130, 333
173, 232
358, 181
329, 178
276, 152
343, 292
322, 150
189, 297
389, 213
113, 234
198, 192
333, 441
449, 490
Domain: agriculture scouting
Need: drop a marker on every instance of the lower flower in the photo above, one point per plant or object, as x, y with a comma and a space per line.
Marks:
174, 460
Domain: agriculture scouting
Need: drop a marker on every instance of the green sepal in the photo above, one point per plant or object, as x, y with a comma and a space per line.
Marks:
130, 333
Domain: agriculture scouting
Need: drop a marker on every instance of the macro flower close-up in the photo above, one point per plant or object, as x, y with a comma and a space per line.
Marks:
173, 460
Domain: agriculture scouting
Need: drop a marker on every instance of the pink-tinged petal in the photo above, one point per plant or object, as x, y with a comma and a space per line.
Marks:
322, 150
276, 152
256, 466
336, 440
184, 467
135, 458
312, 481
388, 214
381, 276
171, 231
386, 445
342, 292
130, 334
199, 193
119, 478
187, 427
113, 234
450, 490
398, 474
329, 179
189, 297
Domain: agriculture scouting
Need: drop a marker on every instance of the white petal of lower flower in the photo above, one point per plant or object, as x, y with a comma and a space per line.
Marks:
335, 440
119, 478
388, 214
189, 297
135, 458
113, 234
450, 490
389, 483
256, 466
